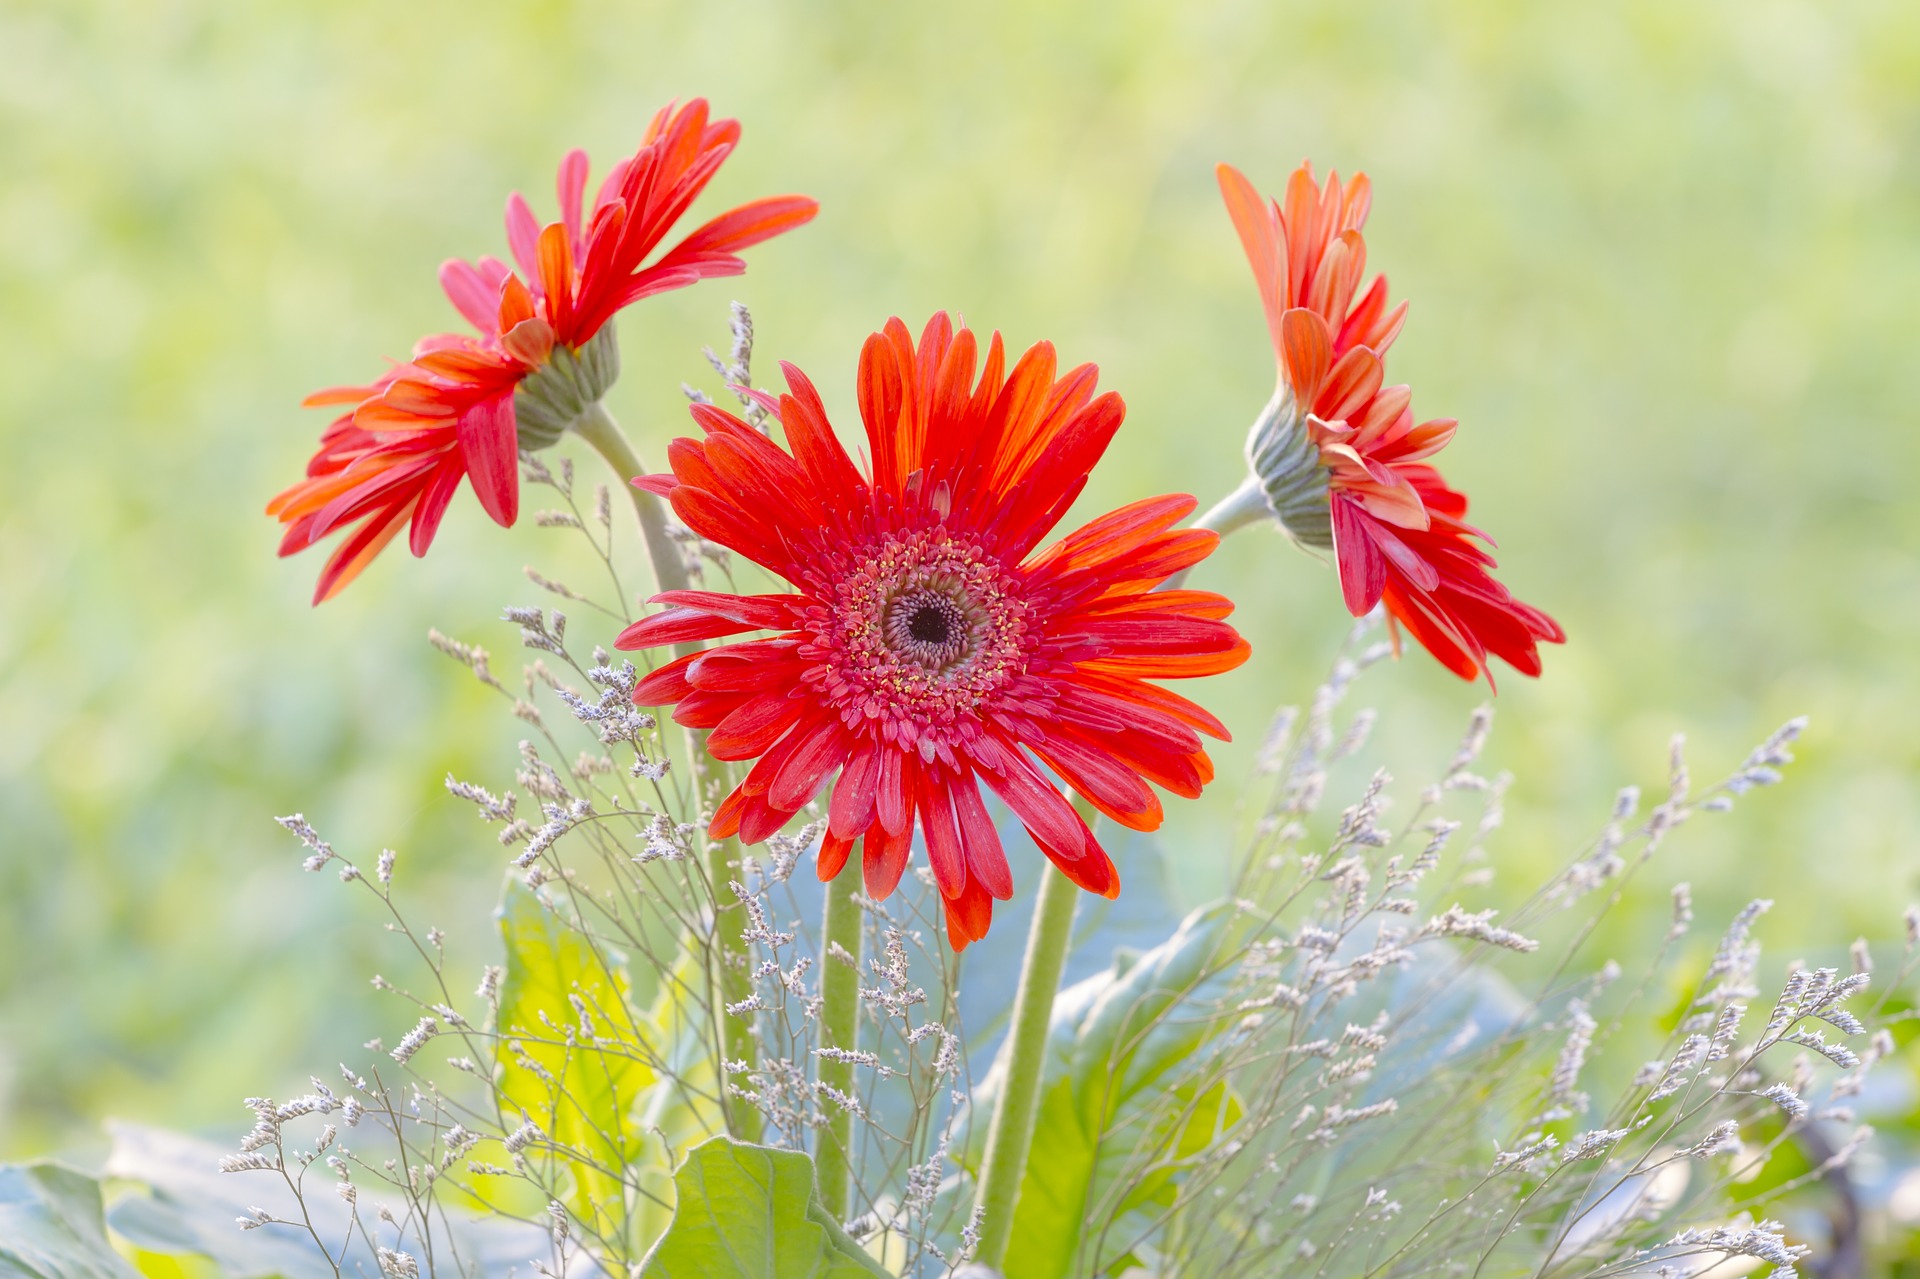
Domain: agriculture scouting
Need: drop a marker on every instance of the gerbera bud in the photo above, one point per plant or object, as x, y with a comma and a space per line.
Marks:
1286, 461
560, 392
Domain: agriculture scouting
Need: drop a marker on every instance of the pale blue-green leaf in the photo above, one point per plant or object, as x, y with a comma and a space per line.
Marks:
51, 1226
190, 1207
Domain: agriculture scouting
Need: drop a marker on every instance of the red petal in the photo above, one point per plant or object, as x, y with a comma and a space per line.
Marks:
747, 225
1254, 220
944, 851
1040, 808
678, 626
1363, 569
666, 685
1107, 784
754, 727
893, 790
490, 446
968, 916
433, 504
806, 770
832, 856
762, 612
986, 860
851, 809
1306, 353
883, 856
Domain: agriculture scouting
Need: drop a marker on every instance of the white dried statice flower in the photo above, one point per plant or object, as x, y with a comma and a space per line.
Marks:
1765, 1240
1787, 1099
1680, 1070
1723, 1140
1682, 911
1477, 926
523, 1136
1593, 1144
1533, 1147
1573, 1056
397, 1265
415, 1039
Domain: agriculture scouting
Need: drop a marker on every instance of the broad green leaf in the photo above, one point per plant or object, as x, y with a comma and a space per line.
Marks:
186, 1207
52, 1227
750, 1212
1128, 1101
583, 1093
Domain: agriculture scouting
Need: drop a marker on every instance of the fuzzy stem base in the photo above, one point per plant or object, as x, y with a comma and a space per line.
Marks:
1010, 1139
839, 1028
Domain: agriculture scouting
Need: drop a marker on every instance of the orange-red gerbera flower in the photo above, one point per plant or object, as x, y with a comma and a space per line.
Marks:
925, 650
1341, 461
464, 406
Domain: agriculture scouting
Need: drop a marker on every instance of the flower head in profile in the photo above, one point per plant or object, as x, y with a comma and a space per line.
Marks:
1340, 460
927, 648
543, 354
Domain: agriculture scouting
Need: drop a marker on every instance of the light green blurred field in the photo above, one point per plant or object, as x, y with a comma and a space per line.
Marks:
1663, 257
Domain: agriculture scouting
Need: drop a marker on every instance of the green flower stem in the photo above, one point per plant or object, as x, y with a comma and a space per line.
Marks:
1245, 505
597, 427
1010, 1138
732, 980
839, 1028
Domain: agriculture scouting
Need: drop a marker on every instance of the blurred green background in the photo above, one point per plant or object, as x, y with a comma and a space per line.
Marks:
1662, 256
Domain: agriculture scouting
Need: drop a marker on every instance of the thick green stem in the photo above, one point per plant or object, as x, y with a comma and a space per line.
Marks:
597, 427
839, 1028
1010, 1138
1245, 505
732, 980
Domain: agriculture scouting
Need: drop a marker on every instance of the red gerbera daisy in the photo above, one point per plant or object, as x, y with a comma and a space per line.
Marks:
1338, 453
464, 406
925, 650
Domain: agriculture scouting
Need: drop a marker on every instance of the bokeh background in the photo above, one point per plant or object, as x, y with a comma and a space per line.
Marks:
1662, 257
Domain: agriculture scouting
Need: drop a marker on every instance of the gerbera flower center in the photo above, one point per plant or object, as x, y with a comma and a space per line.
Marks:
929, 627
921, 627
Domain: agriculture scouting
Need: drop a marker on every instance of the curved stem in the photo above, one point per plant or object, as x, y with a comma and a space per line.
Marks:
731, 976
597, 427
839, 1028
1245, 505
1010, 1139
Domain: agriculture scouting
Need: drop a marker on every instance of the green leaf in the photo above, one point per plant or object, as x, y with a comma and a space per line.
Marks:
582, 1095
750, 1212
1128, 1101
52, 1226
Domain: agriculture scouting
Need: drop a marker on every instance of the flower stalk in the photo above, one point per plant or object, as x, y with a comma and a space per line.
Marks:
732, 981
839, 1029
597, 427
1010, 1138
